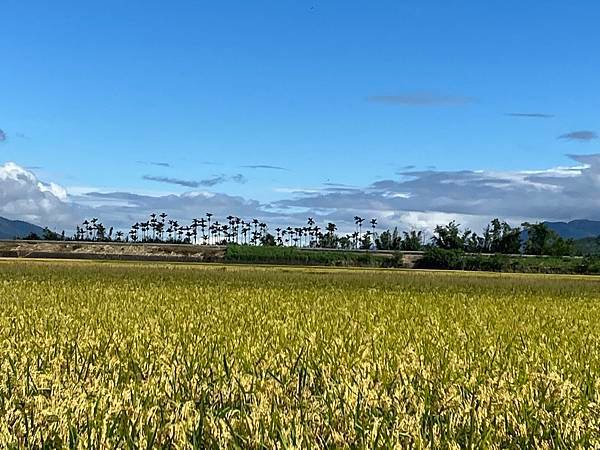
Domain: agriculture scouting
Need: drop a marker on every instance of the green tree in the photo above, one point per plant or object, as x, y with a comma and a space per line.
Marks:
388, 240
474, 243
541, 240
345, 242
49, 235
365, 243
330, 239
449, 237
268, 240
412, 242
500, 237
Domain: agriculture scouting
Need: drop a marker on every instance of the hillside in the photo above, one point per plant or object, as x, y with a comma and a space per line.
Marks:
588, 246
576, 229
10, 229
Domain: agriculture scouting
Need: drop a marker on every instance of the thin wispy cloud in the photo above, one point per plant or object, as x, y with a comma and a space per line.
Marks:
582, 136
154, 163
264, 166
421, 99
171, 180
239, 178
530, 115
338, 185
209, 182
2, 136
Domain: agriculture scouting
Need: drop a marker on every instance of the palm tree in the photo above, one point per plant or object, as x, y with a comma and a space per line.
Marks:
225, 229
255, 222
359, 221
195, 225
310, 221
152, 224
209, 215
355, 239
373, 225
263, 229
237, 229
175, 227
245, 230
202, 224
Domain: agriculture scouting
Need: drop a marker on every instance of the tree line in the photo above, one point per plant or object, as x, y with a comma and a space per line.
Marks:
498, 237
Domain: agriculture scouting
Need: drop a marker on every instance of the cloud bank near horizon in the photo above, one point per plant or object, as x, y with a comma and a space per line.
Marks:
413, 199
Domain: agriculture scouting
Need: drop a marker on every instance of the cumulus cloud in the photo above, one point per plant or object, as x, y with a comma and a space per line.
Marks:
413, 198
123, 208
23, 196
421, 99
562, 193
209, 182
582, 136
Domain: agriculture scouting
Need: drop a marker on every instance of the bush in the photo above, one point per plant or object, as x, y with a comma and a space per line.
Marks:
293, 255
438, 258
487, 263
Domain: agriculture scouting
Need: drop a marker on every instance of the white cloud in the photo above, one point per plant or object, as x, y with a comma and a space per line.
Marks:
25, 197
561, 193
417, 199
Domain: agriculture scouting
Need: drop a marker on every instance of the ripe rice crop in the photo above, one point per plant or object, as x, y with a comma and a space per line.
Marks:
138, 355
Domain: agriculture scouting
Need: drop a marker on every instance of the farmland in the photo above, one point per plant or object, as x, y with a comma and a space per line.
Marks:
135, 355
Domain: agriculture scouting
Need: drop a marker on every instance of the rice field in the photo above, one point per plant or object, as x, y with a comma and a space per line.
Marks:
139, 355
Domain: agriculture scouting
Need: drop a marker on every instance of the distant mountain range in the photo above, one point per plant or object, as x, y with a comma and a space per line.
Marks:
576, 229
9, 229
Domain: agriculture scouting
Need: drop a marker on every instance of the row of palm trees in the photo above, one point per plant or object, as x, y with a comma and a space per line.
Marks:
207, 230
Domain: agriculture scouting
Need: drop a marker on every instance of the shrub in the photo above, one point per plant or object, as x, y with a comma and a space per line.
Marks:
438, 258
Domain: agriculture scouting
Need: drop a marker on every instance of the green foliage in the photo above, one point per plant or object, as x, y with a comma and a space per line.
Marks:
449, 237
31, 237
50, 235
392, 240
437, 258
541, 240
587, 246
268, 240
412, 242
330, 239
388, 240
294, 255
500, 237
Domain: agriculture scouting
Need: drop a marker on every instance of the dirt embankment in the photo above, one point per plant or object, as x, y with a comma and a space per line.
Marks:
100, 250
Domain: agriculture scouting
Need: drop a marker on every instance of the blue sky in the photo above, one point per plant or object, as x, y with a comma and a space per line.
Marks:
353, 92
